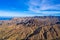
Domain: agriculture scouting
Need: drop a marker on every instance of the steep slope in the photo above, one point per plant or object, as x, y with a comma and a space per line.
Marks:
31, 28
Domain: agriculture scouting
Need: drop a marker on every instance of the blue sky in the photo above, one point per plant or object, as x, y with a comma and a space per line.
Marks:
29, 8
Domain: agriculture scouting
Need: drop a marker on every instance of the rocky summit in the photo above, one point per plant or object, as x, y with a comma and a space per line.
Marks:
30, 28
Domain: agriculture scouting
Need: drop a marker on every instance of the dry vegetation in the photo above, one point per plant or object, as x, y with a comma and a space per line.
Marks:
30, 28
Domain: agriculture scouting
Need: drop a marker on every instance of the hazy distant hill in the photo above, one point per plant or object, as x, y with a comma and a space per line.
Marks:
5, 18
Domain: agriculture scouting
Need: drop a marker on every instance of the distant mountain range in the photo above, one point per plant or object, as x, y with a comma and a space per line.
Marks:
9, 18
5, 18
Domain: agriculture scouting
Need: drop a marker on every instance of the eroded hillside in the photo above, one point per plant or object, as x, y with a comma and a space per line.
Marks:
30, 28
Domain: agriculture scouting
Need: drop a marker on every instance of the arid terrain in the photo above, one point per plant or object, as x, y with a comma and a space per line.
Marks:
30, 28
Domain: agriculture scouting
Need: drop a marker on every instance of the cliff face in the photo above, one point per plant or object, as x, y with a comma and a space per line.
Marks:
31, 28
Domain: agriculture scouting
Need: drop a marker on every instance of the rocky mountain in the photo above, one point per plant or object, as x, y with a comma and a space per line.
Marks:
31, 28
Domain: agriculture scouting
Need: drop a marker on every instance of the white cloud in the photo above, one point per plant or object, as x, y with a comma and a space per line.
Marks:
38, 5
10, 13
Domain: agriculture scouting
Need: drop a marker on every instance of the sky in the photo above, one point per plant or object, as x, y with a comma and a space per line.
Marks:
18, 8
